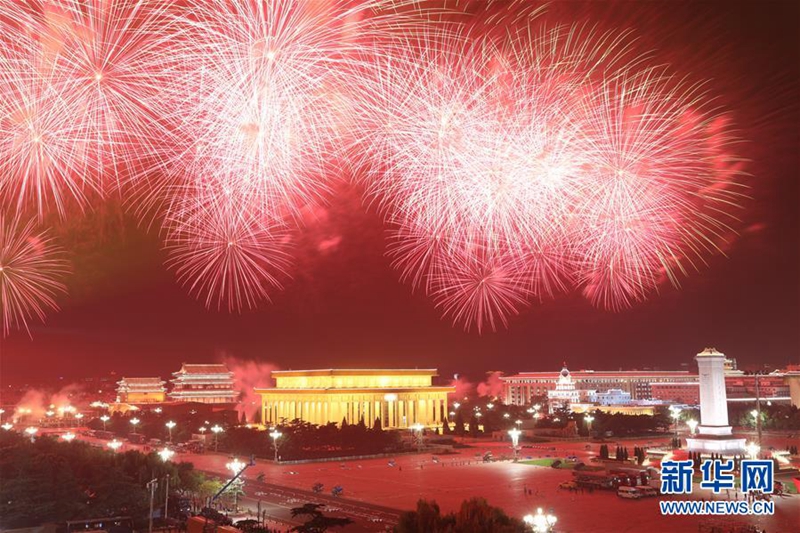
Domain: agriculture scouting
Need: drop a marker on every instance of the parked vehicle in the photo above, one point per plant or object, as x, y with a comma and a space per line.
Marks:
647, 491
630, 493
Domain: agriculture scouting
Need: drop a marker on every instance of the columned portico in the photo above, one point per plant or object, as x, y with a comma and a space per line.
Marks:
399, 398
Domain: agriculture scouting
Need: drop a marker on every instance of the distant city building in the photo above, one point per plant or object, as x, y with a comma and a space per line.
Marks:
676, 393
203, 383
141, 390
609, 397
564, 394
398, 397
629, 409
665, 386
524, 388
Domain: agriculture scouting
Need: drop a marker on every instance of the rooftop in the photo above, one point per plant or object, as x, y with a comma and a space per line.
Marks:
203, 369
357, 372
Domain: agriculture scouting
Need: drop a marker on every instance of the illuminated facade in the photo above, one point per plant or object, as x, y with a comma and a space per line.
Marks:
398, 397
141, 390
564, 394
204, 384
524, 388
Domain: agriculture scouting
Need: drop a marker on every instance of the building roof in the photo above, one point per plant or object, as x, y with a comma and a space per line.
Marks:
142, 381
583, 374
357, 372
710, 352
203, 369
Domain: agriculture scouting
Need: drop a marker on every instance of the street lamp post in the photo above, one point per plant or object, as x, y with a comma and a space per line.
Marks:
753, 450
114, 444
418, 429
692, 423
7, 426
676, 415
540, 522
68, 436
589, 419
105, 419
217, 430
170, 425
135, 422
275, 434
166, 454
514, 434
152, 486
236, 466
31, 432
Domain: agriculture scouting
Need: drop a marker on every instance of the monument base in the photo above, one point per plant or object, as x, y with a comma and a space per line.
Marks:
717, 439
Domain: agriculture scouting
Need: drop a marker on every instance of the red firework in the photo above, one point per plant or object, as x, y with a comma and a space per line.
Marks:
31, 269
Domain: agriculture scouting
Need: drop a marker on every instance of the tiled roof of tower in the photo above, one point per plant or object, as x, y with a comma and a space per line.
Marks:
143, 381
203, 369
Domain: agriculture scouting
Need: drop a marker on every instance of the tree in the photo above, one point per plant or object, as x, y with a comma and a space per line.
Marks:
474, 516
317, 522
446, 427
377, 426
473, 426
459, 426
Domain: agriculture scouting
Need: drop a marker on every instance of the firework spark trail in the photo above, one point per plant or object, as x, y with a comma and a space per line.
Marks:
84, 79
511, 160
31, 268
522, 166
225, 251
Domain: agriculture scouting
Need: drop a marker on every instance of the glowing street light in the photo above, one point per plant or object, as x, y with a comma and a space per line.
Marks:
105, 419
78, 416
418, 429
216, 429
692, 423
588, 419
68, 436
506, 415
753, 450
275, 434
456, 405
170, 425
514, 434
114, 445
236, 466
676, 415
540, 522
7, 426
31, 432
490, 406
166, 454
135, 422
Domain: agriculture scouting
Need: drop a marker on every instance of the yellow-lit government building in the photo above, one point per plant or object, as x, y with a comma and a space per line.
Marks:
399, 397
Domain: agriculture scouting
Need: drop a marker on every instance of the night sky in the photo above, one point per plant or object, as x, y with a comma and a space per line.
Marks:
345, 307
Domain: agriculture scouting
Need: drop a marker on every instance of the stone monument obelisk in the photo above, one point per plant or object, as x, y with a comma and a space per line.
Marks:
714, 433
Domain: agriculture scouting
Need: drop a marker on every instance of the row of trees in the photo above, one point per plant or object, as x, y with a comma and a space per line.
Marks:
474, 516
622, 454
302, 440
50, 481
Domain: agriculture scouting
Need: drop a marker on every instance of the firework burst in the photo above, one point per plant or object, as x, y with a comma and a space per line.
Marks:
225, 252
518, 166
79, 114
31, 268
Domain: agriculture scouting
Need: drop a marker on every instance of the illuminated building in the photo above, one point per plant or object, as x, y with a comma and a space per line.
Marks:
526, 387
204, 384
610, 397
683, 393
564, 394
398, 397
141, 390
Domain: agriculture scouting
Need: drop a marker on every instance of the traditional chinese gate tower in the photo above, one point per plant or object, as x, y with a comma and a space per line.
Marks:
714, 433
